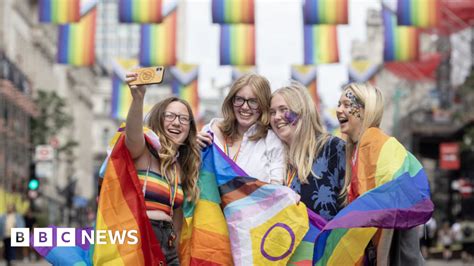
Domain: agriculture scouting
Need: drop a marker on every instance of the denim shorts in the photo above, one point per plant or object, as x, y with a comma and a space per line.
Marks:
162, 232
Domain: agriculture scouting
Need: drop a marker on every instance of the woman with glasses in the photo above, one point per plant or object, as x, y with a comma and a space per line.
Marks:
168, 174
243, 132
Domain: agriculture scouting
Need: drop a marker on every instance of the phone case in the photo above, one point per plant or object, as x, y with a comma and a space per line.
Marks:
149, 75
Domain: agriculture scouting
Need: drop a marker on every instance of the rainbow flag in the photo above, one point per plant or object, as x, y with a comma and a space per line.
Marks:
140, 11
237, 44
325, 12
158, 43
121, 96
394, 194
233, 11
59, 11
307, 75
76, 41
419, 13
362, 70
320, 44
185, 84
401, 43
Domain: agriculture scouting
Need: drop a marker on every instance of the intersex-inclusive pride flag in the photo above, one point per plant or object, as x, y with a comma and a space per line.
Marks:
401, 43
140, 11
158, 42
185, 84
362, 70
263, 223
307, 75
233, 11
121, 95
239, 71
237, 44
325, 12
320, 44
394, 194
419, 13
59, 11
76, 41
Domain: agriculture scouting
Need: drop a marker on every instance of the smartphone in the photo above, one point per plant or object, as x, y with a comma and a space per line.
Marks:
149, 75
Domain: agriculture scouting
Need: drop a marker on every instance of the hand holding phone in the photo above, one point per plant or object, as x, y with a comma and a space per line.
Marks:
149, 75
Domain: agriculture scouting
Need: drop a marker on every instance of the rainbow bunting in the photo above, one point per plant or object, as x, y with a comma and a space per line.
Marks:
233, 11
394, 194
121, 96
307, 75
185, 85
320, 44
362, 70
59, 11
140, 11
419, 13
325, 12
238, 71
76, 41
237, 44
401, 42
158, 43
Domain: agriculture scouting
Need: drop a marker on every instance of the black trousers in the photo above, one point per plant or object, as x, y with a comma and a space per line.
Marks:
162, 232
9, 250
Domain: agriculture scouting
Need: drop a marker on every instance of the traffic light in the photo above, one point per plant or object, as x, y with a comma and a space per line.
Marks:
33, 183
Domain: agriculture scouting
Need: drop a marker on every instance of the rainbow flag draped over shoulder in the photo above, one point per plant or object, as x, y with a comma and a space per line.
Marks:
325, 12
233, 11
237, 44
394, 194
401, 43
140, 11
307, 75
264, 223
59, 11
76, 42
419, 13
320, 44
158, 42
185, 84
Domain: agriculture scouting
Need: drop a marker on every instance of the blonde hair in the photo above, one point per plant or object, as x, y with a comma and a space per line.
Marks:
189, 154
310, 136
261, 87
372, 101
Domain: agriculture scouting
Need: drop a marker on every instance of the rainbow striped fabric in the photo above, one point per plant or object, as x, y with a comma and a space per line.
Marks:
307, 75
264, 222
401, 43
233, 11
140, 11
325, 12
76, 42
185, 84
320, 44
419, 13
237, 44
158, 42
121, 95
394, 193
59, 11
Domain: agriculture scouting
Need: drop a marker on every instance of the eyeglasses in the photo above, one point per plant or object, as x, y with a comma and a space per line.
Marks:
239, 101
183, 119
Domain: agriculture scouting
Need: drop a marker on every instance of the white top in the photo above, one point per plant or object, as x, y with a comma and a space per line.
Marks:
263, 159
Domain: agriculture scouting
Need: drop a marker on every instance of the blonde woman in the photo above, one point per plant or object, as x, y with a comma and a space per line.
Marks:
359, 112
315, 159
243, 132
168, 175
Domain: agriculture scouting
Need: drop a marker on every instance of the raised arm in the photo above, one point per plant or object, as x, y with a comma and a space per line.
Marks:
134, 138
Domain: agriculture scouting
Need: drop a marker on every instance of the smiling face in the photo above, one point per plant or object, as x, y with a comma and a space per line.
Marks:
282, 119
246, 114
175, 129
350, 115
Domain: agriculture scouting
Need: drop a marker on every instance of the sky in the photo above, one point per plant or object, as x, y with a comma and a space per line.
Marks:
279, 44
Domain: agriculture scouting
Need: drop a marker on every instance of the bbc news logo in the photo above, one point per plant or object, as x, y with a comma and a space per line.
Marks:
70, 237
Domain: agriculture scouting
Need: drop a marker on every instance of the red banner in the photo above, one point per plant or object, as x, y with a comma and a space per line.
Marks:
449, 156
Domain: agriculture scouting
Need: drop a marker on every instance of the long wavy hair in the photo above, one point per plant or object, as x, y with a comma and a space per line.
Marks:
372, 101
310, 136
261, 87
189, 153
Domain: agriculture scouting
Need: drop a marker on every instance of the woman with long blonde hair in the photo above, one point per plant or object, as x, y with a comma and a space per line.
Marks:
315, 159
